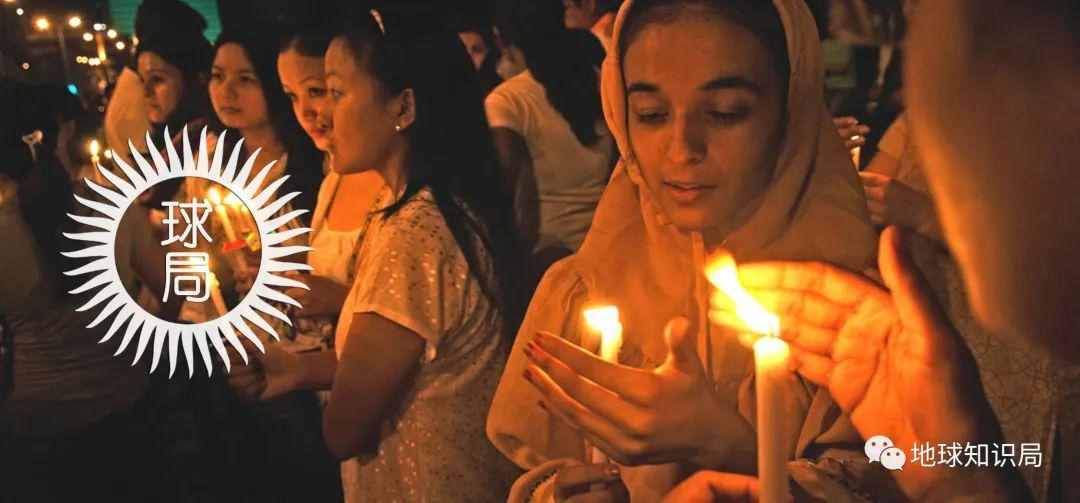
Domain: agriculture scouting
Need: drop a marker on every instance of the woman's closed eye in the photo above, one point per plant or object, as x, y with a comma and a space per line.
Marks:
316, 92
728, 115
651, 115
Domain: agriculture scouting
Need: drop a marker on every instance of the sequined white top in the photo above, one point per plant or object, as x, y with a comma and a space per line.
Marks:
433, 446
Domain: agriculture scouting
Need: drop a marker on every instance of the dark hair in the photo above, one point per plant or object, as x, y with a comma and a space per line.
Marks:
565, 64
305, 162
758, 16
451, 152
44, 186
173, 31
308, 42
603, 6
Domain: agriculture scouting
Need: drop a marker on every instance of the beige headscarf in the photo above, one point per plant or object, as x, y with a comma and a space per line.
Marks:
632, 257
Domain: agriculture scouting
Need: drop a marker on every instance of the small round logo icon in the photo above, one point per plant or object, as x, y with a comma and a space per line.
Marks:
874, 446
893, 458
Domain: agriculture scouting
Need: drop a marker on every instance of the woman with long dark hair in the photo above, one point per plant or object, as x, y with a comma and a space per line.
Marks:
548, 127
282, 445
339, 221
247, 96
173, 62
422, 337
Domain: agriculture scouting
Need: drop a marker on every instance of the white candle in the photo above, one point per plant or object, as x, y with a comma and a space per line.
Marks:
771, 355
856, 153
222, 210
604, 320
223, 214
215, 296
771, 373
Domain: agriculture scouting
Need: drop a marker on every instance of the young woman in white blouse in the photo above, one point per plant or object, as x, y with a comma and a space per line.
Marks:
423, 332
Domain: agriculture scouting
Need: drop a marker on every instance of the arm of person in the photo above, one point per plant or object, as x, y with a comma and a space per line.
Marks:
378, 359
516, 160
883, 163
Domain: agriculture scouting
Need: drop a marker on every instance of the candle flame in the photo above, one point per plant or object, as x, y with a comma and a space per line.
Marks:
215, 196
723, 275
603, 318
232, 200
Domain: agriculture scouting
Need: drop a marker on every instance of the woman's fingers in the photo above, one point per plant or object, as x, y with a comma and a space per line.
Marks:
589, 394
571, 481
816, 368
832, 283
802, 335
635, 385
599, 431
715, 487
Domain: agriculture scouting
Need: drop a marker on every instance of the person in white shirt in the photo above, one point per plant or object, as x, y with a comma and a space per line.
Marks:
548, 127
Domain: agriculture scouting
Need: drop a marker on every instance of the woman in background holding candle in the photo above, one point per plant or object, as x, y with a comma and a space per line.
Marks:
342, 210
725, 141
280, 440
247, 96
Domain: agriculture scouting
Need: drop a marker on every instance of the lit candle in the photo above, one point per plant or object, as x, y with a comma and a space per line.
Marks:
771, 356
604, 320
856, 153
223, 213
216, 297
94, 147
771, 372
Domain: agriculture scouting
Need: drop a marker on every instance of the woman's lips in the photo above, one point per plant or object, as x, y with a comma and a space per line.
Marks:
687, 193
230, 110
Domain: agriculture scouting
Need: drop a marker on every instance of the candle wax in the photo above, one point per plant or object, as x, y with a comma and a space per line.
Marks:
771, 357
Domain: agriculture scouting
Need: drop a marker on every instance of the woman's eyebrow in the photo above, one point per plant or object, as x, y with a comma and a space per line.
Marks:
731, 82
642, 87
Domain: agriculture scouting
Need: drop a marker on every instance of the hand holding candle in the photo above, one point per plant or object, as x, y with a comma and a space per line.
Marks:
638, 416
891, 360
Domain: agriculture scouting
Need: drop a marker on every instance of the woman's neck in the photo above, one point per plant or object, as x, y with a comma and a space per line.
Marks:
263, 137
393, 169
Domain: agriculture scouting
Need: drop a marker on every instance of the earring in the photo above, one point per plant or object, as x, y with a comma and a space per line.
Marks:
397, 127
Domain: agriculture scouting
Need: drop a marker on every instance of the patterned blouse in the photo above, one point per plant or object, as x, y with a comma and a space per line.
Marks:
432, 447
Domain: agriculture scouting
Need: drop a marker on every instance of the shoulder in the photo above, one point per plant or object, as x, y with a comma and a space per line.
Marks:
418, 227
516, 89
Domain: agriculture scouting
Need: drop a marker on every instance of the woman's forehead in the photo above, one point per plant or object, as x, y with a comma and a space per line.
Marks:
152, 62
295, 66
232, 56
694, 51
339, 59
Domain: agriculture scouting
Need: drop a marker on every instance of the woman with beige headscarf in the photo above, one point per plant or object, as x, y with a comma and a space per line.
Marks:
726, 142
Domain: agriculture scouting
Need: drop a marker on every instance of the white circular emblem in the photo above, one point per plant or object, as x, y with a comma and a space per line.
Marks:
101, 271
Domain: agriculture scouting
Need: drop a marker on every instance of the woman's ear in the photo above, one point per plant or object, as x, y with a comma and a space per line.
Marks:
406, 112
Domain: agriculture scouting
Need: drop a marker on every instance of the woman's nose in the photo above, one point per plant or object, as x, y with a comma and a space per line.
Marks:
324, 111
229, 86
686, 144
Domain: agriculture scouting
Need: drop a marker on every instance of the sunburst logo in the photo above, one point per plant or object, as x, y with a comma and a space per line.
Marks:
144, 327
